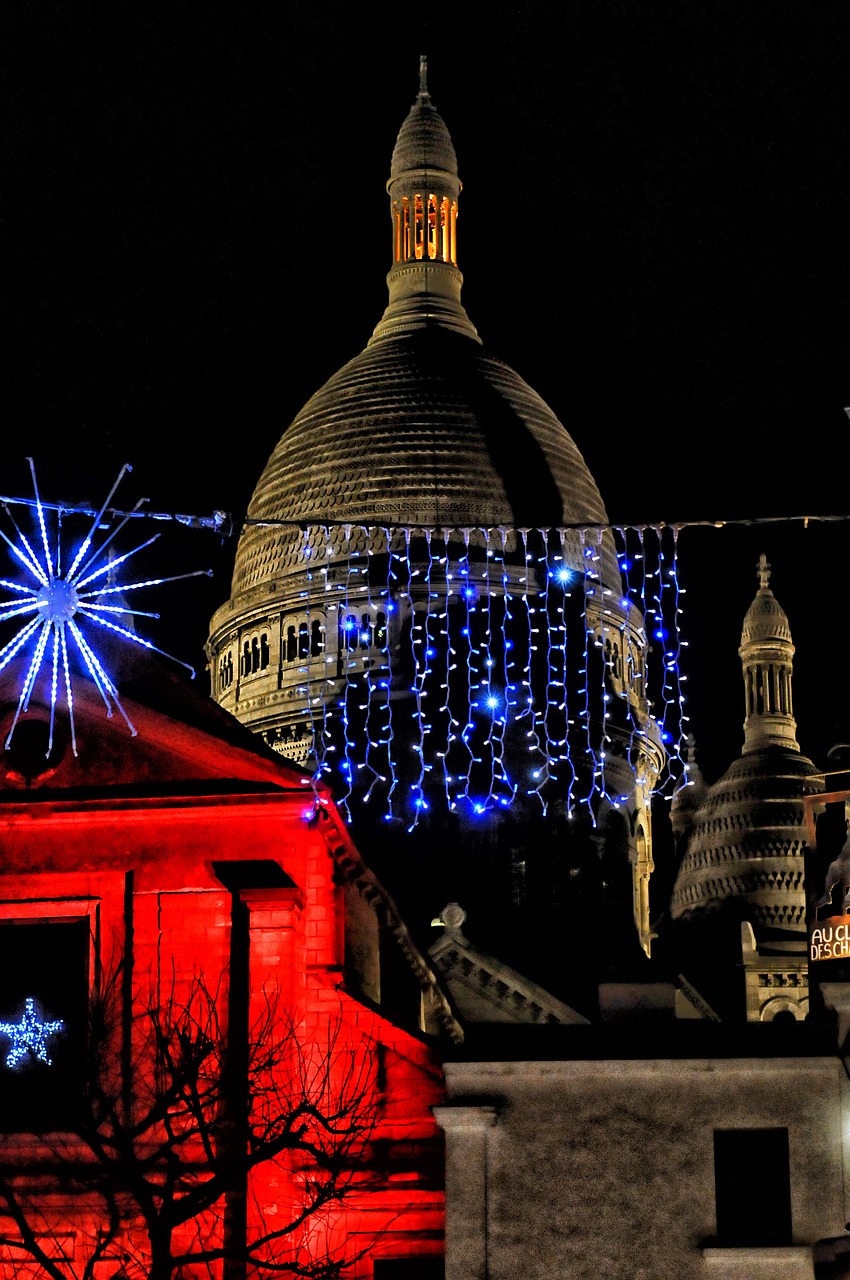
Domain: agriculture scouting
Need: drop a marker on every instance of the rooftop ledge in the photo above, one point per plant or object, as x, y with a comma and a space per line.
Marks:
789, 1262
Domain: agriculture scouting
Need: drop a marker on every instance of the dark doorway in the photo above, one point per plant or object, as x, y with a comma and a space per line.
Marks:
752, 1186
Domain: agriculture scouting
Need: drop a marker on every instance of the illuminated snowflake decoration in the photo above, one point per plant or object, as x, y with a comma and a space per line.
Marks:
29, 1036
56, 603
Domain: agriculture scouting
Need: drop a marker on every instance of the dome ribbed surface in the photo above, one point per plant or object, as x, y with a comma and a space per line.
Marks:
747, 842
425, 429
423, 142
765, 619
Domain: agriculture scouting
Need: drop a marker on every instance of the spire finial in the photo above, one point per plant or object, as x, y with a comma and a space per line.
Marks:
423, 75
763, 571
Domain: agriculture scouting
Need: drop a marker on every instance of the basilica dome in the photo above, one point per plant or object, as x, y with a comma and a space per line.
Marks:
421, 429
423, 433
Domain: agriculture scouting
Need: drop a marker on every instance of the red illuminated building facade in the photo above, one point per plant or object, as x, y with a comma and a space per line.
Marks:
220, 1022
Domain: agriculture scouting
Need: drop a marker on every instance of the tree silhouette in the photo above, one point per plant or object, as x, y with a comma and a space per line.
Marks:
178, 1131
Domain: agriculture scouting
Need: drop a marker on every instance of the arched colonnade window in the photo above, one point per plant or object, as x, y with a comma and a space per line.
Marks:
425, 227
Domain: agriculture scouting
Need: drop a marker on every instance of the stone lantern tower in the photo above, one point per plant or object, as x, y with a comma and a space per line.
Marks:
424, 281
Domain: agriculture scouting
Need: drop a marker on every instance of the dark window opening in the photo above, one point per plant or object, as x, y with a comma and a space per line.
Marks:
423, 1268
760, 691
752, 1186
783, 1016
252, 873
401, 996
30, 752
44, 985
256, 654
348, 627
225, 671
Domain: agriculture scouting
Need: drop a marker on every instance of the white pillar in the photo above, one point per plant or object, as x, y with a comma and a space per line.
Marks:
466, 1189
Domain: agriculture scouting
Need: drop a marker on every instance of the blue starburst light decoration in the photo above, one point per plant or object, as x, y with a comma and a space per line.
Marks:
62, 607
30, 1036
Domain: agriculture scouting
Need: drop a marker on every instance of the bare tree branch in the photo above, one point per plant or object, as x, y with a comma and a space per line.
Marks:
148, 1170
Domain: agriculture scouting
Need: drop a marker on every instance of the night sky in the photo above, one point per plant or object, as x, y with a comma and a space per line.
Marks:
195, 235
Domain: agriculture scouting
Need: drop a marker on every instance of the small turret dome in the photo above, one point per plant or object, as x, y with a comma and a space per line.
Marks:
767, 655
747, 841
765, 620
423, 141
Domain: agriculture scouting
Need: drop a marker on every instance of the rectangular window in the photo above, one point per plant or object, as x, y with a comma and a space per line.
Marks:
44, 985
427, 1268
752, 1187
